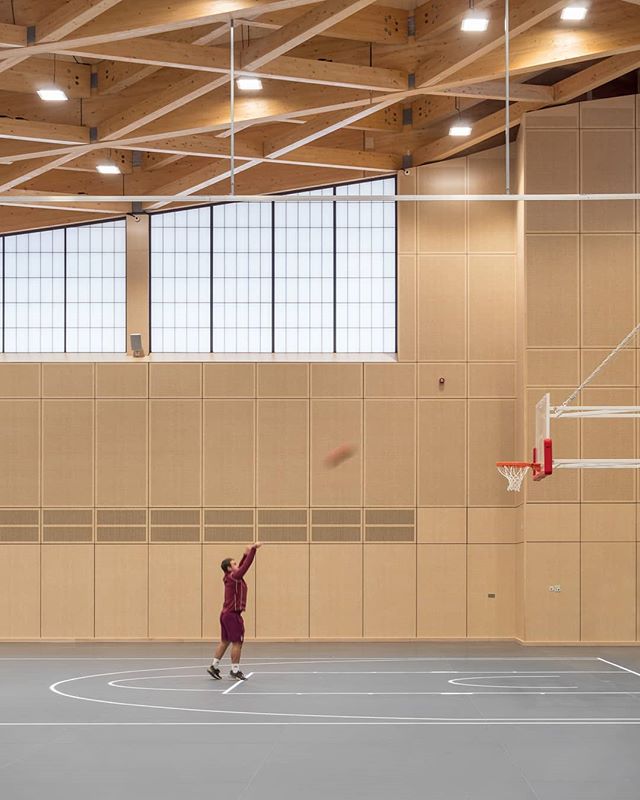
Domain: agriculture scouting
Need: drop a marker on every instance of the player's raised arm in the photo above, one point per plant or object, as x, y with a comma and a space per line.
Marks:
246, 561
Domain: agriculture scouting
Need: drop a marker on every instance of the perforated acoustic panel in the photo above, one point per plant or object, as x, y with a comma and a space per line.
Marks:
228, 525
390, 525
121, 525
19, 525
175, 525
67, 525
335, 525
282, 524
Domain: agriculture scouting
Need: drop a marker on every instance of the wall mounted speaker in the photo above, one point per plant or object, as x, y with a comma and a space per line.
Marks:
135, 340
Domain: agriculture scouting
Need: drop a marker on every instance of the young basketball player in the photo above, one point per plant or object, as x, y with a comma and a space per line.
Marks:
231, 622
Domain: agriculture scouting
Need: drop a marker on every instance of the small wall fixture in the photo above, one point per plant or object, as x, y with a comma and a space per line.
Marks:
135, 342
249, 84
52, 95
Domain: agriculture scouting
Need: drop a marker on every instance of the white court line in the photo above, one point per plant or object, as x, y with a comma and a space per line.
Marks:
406, 694
445, 721
619, 666
294, 718
231, 688
298, 659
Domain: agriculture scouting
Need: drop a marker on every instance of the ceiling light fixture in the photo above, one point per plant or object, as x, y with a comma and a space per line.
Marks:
574, 13
460, 130
474, 22
249, 84
108, 169
52, 95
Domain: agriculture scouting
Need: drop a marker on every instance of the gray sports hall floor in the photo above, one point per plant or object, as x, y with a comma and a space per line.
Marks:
436, 721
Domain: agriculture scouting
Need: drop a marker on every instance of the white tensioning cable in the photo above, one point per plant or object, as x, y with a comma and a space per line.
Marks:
602, 365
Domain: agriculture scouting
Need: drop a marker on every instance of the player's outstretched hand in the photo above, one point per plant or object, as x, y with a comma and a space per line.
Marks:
258, 545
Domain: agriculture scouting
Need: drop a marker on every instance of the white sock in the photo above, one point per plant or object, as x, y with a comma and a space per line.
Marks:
215, 662
235, 668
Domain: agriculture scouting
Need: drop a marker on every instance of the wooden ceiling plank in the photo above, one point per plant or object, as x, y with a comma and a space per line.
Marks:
70, 16
30, 131
458, 50
596, 75
495, 90
17, 174
436, 16
315, 21
12, 35
36, 73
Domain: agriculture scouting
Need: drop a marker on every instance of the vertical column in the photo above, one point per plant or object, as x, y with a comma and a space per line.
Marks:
138, 268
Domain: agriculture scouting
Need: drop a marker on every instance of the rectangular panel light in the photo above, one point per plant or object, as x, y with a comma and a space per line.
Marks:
460, 130
52, 95
249, 84
574, 13
474, 22
108, 169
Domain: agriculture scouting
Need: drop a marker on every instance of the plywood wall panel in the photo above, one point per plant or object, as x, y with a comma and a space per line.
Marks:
229, 445
175, 443
67, 591
19, 591
67, 380
441, 599
20, 447
383, 565
491, 438
608, 438
407, 212
407, 305
121, 575
552, 522
609, 112
608, 614
121, 380
283, 380
121, 452
213, 589
175, 591
389, 449
389, 380
67, 452
492, 380
492, 525
441, 452
608, 294
283, 459
620, 371
335, 591
492, 299
334, 423
229, 380
492, 225
19, 380
553, 368
607, 164
336, 380
552, 291
442, 225
552, 616
490, 571
442, 307
282, 591
442, 525
175, 380
551, 165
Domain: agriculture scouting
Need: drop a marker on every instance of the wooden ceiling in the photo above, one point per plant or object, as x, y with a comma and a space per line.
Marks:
351, 89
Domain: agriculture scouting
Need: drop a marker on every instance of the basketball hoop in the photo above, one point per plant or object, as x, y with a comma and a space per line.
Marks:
514, 472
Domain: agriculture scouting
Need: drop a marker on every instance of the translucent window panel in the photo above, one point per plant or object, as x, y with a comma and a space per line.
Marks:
242, 266
34, 292
366, 270
96, 288
181, 281
303, 308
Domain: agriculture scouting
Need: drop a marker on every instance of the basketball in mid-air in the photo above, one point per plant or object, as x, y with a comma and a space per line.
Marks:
339, 455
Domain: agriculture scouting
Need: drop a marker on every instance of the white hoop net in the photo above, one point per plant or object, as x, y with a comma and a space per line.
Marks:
514, 473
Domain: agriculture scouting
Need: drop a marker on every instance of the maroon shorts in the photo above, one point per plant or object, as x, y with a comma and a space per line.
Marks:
231, 626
